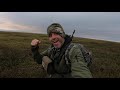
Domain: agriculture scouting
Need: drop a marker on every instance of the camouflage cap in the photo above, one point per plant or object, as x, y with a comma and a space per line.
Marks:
55, 28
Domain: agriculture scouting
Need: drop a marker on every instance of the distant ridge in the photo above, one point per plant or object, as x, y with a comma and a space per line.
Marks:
46, 34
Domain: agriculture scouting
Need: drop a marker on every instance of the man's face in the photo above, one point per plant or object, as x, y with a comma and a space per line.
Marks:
56, 40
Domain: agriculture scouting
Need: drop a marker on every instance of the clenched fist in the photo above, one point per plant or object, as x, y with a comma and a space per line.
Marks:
35, 42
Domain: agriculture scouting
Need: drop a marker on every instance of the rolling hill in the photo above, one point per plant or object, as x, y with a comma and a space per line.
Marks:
16, 58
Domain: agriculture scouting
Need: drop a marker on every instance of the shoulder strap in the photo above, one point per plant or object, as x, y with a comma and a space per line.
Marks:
86, 54
67, 59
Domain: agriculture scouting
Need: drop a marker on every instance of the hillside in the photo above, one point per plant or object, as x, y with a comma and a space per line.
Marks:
16, 58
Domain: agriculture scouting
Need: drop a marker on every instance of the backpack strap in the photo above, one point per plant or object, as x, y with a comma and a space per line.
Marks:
86, 54
67, 59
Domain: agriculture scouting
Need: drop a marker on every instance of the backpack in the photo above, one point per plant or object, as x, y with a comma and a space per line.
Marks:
86, 54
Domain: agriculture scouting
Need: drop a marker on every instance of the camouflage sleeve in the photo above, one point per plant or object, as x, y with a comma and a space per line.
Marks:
78, 66
38, 56
46, 52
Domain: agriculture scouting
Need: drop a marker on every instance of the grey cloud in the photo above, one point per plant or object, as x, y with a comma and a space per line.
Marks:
102, 24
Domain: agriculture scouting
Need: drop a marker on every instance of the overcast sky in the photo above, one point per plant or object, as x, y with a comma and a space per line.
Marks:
96, 25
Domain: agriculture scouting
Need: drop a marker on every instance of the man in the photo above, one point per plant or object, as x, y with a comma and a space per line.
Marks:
54, 58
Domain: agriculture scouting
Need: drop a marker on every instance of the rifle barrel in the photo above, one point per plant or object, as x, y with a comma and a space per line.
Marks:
73, 33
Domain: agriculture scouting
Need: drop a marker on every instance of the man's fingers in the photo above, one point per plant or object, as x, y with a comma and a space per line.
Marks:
35, 42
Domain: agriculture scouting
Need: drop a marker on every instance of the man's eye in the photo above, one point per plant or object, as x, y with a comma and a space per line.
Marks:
50, 35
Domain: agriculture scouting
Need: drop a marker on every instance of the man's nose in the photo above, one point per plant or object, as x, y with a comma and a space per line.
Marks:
53, 39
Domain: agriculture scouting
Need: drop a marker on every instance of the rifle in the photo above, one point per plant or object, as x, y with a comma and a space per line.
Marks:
72, 34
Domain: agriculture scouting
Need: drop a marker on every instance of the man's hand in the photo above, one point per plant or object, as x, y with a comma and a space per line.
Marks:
35, 42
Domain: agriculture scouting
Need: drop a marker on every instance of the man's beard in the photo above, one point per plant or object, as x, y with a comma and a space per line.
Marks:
57, 40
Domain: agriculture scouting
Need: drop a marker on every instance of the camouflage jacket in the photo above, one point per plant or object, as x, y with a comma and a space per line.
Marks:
77, 67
